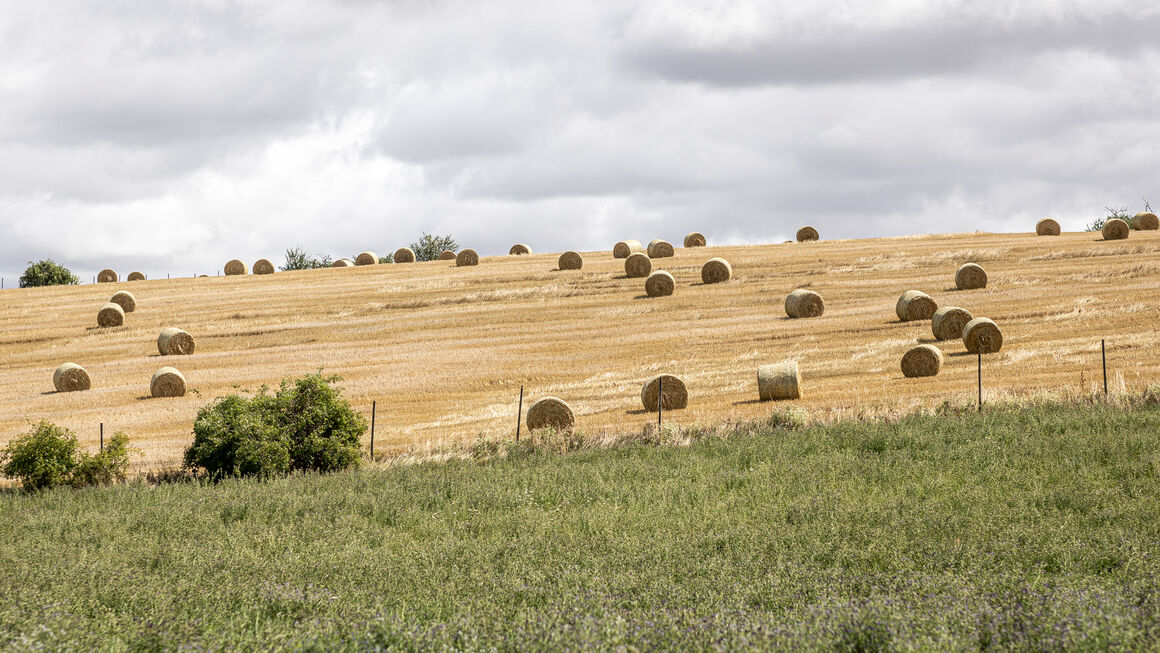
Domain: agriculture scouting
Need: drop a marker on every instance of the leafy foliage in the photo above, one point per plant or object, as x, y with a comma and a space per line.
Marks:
106, 467
306, 425
47, 456
387, 258
428, 247
298, 259
47, 273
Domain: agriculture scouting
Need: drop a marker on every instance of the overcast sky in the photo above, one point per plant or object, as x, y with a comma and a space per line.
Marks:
173, 136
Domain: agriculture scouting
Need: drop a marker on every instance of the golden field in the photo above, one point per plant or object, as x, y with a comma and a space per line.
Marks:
444, 350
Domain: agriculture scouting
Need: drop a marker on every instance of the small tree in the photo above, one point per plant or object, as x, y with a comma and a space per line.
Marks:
298, 259
428, 247
42, 458
47, 456
47, 273
306, 425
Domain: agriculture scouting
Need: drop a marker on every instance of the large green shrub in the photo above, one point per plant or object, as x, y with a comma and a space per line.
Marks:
47, 273
306, 425
428, 247
47, 456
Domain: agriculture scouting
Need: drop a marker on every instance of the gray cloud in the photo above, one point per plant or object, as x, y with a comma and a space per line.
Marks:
170, 137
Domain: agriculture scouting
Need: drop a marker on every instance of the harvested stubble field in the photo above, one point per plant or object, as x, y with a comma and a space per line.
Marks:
445, 349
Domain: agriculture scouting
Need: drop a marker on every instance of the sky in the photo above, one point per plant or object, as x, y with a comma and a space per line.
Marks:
170, 137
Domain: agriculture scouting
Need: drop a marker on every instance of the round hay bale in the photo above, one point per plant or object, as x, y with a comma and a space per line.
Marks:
571, 261
970, 276
167, 382
915, 305
1047, 227
111, 315
550, 412
676, 396
175, 342
948, 322
1146, 222
467, 257
637, 265
107, 276
447, 255
342, 263
659, 284
70, 377
982, 336
779, 381
519, 249
135, 276
367, 258
1116, 229
695, 239
804, 303
716, 270
626, 247
236, 267
660, 249
923, 360
125, 300
807, 233
263, 266
404, 255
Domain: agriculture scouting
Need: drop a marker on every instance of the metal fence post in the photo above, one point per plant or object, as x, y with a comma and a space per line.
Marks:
1104, 357
519, 413
980, 354
660, 400
102, 436
373, 406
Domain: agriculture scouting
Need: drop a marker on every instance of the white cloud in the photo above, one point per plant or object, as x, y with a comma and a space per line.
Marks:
173, 136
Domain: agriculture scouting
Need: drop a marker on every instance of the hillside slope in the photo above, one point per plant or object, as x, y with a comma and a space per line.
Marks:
444, 350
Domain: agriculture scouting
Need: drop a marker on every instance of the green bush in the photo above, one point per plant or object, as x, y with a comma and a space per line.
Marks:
108, 466
47, 273
428, 247
47, 456
1113, 214
306, 425
298, 259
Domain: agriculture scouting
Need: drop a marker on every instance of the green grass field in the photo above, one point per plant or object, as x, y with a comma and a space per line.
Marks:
1032, 528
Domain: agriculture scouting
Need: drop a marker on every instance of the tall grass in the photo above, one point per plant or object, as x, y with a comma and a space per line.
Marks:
1027, 529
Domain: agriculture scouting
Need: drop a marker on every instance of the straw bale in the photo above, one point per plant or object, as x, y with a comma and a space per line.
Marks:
982, 335
695, 239
915, 305
70, 377
167, 382
807, 233
948, 322
175, 342
779, 381
570, 261
550, 412
659, 248
1146, 222
676, 396
716, 270
1047, 227
263, 266
637, 265
923, 360
804, 303
626, 247
659, 284
970, 276
111, 315
466, 258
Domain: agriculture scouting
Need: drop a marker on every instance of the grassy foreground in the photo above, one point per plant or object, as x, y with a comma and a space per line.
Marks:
1026, 529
